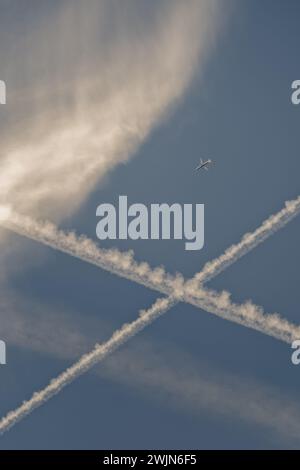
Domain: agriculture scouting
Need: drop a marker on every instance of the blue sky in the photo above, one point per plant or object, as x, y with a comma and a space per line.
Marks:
236, 110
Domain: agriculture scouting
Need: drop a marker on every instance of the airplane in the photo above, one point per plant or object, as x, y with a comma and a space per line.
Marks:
204, 165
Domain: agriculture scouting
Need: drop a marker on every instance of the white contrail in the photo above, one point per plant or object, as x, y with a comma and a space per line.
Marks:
248, 314
87, 361
112, 260
187, 383
101, 351
272, 326
250, 241
125, 266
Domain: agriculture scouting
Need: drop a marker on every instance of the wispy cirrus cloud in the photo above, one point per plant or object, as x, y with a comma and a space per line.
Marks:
101, 78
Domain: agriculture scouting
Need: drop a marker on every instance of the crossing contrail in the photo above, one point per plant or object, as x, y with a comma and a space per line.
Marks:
247, 314
187, 384
87, 361
120, 337
124, 265
191, 291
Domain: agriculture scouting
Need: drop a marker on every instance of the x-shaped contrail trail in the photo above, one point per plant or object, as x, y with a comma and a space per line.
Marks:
124, 265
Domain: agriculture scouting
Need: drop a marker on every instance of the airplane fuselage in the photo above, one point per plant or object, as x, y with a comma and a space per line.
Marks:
203, 165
